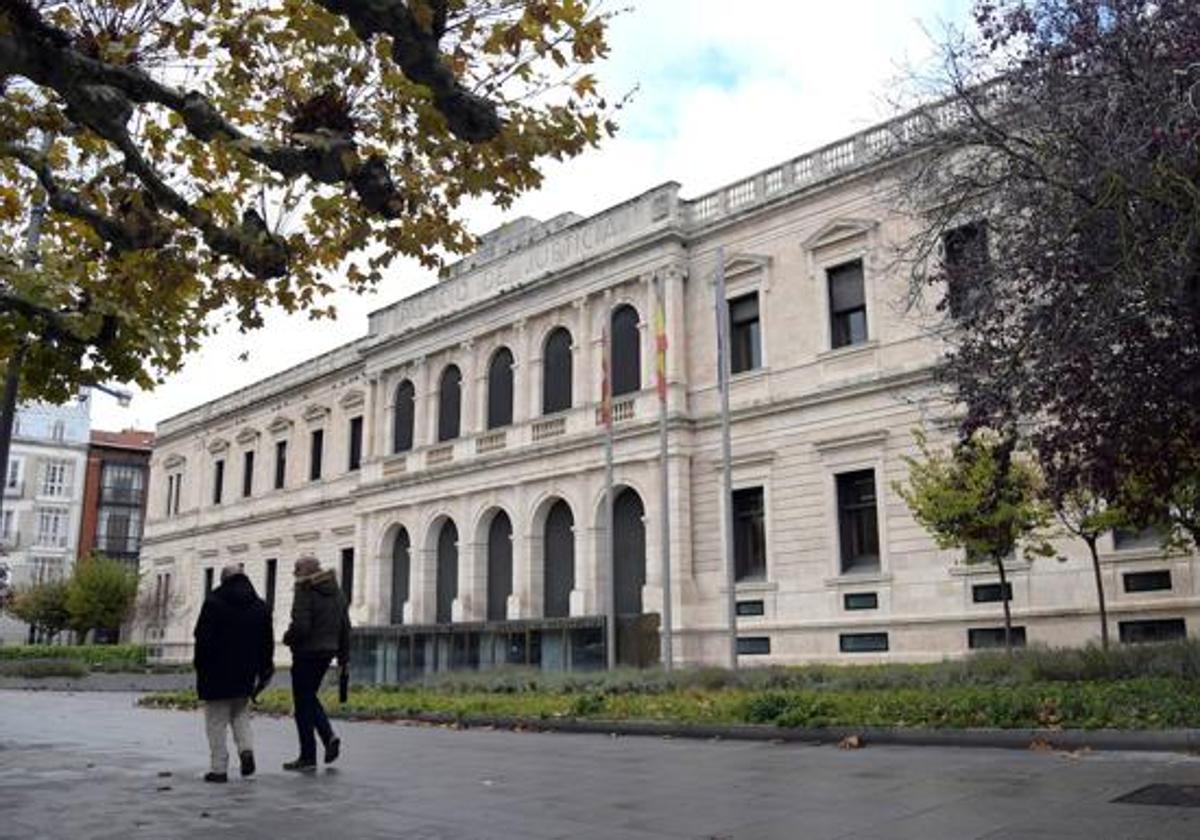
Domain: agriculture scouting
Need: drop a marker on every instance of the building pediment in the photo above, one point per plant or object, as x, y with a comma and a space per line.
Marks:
174, 461
247, 436
315, 413
280, 425
353, 398
838, 231
737, 265
218, 445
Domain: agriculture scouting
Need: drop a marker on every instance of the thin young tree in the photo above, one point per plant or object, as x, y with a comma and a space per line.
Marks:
981, 497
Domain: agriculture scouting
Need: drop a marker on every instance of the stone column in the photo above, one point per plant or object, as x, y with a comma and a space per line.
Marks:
588, 382
674, 279
522, 374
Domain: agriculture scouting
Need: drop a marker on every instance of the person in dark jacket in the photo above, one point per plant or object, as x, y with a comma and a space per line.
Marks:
233, 658
319, 631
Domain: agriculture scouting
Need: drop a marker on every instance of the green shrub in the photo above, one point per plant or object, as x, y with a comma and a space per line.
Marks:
39, 668
106, 657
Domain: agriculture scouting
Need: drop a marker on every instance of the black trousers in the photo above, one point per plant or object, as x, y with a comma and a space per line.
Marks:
307, 673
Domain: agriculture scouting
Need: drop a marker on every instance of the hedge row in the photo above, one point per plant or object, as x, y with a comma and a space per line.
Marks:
94, 657
1145, 703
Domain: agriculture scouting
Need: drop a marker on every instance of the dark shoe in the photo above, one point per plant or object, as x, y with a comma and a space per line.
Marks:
301, 765
219, 778
332, 750
247, 758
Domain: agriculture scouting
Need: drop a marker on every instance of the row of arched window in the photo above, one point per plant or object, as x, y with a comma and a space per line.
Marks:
557, 554
557, 385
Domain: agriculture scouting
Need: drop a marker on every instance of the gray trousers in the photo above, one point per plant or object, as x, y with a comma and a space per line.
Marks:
220, 715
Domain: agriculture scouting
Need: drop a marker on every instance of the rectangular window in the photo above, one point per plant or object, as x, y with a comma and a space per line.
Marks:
753, 645
982, 638
1156, 581
847, 305
6, 526
863, 642
965, 260
860, 601
1155, 630
52, 527
316, 452
858, 521
122, 484
280, 464
745, 336
750, 608
56, 479
12, 480
174, 488
218, 480
1146, 538
269, 586
170, 493
356, 439
348, 574
990, 593
208, 581
166, 601
749, 535
247, 473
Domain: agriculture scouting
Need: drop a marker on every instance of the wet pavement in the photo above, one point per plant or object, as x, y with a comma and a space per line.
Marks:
95, 766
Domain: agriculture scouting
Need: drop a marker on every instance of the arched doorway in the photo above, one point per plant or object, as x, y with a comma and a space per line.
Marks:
447, 571
559, 546
401, 572
629, 551
499, 566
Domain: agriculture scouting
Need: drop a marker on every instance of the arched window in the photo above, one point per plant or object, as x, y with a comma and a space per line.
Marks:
402, 418
499, 567
626, 352
401, 564
447, 571
500, 390
449, 403
556, 372
559, 543
629, 551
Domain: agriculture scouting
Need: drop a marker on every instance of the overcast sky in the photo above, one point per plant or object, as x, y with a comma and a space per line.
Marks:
724, 89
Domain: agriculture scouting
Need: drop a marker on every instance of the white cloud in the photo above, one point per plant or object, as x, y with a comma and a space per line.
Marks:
725, 89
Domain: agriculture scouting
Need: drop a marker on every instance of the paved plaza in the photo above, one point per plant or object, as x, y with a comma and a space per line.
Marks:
94, 766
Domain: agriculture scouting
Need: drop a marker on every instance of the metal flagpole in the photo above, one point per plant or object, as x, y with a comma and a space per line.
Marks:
722, 310
660, 347
606, 408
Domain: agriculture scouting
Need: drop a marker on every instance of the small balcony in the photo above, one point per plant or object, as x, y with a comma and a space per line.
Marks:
122, 495
10, 540
118, 546
14, 489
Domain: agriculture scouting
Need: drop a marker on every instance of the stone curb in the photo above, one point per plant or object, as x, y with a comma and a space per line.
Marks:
1168, 740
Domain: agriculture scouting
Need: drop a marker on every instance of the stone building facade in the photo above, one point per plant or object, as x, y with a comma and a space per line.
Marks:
43, 496
450, 463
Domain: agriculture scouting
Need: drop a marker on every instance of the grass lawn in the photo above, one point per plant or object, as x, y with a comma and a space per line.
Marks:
1145, 687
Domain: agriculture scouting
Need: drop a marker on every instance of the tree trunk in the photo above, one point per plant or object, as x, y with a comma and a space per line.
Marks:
8, 412
1008, 645
1091, 544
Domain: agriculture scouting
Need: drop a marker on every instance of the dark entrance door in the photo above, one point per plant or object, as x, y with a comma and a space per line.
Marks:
401, 566
499, 567
447, 571
559, 545
629, 548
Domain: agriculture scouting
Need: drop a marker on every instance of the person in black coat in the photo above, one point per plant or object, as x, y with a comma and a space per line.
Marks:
234, 650
319, 631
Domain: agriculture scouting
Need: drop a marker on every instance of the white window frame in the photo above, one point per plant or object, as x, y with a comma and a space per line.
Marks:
56, 478
56, 536
16, 471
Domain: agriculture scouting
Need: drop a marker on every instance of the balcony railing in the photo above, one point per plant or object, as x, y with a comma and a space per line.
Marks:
546, 429
118, 495
441, 455
118, 545
491, 442
14, 488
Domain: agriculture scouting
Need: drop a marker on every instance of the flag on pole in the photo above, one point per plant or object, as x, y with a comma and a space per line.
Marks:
606, 412
660, 343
